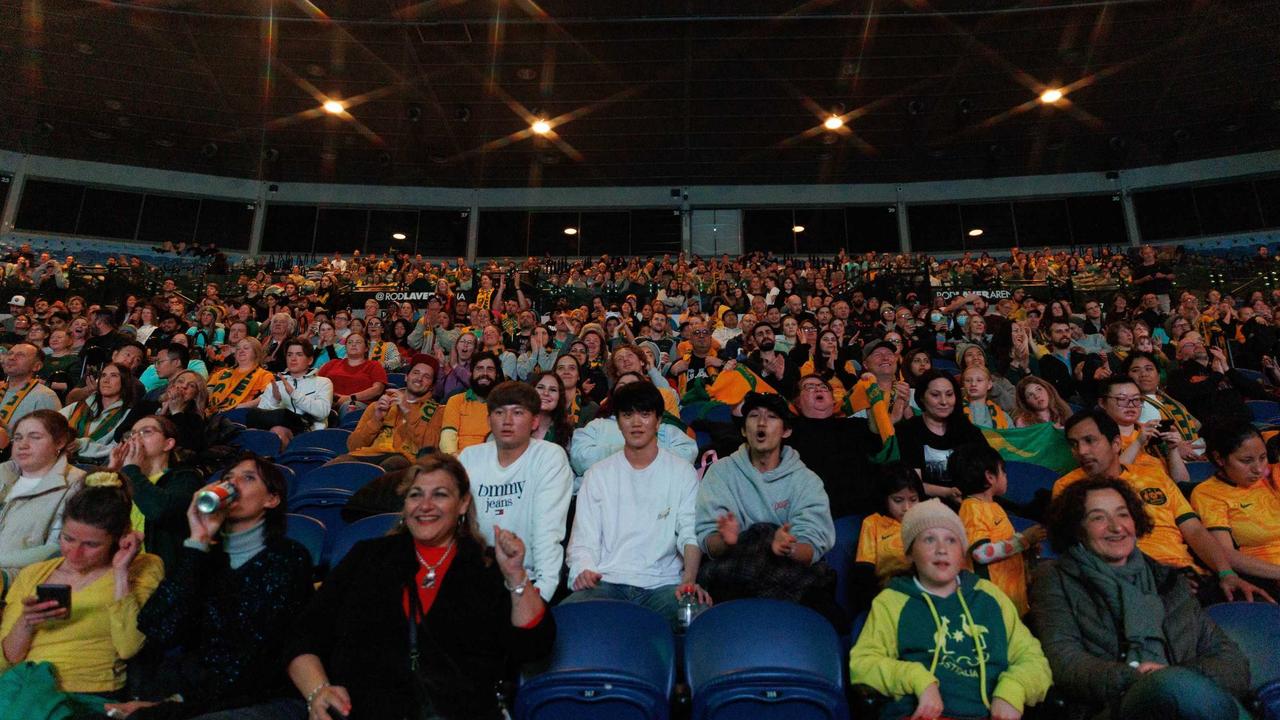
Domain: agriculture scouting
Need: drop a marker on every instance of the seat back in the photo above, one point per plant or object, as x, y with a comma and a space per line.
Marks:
764, 659
324, 505
841, 558
395, 380
303, 460
1255, 627
1025, 479
308, 531
349, 476
374, 526
236, 415
612, 659
334, 439
1264, 410
262, 442
1200, 471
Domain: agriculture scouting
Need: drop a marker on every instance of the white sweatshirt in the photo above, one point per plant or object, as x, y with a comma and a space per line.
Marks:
631, 525
529, 497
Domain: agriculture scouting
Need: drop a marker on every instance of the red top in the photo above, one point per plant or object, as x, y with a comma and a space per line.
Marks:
348, 380
427, 596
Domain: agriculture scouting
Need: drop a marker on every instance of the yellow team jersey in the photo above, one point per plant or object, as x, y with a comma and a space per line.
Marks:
232, 387
1251, 515
880, 544
1166, 506
987, 522
468, 416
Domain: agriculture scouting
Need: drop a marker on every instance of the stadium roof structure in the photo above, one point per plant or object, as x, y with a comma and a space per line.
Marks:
658, 92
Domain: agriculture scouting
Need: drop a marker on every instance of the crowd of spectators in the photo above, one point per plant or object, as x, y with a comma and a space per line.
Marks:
666, 431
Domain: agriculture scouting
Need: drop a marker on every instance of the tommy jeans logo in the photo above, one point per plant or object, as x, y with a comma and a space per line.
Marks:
782, 505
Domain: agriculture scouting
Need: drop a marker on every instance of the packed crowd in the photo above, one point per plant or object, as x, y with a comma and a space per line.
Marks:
673, 432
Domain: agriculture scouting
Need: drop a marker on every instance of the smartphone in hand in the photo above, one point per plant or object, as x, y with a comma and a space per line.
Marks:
52, 591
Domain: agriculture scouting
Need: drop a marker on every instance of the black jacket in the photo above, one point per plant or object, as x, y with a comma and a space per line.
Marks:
1208, 393
357, 626
1083, 642
164, 504
839, 450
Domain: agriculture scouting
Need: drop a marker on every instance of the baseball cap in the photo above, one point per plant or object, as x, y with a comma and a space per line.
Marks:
18, 300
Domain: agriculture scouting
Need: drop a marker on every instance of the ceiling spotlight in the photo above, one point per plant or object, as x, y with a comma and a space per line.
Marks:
835, 122
1050, 96
541, 127
333, 107
571, 231
976, 232
797, 228
398, 236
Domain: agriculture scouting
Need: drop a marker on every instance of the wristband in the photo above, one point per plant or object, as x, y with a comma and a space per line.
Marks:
1224, 574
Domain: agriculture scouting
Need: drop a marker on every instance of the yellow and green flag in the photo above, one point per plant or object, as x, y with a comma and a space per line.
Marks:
1042, 444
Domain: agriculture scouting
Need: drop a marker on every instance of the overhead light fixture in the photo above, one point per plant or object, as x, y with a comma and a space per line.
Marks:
1050, 96
571, 231
333, 107
797, 228
976, 232
835, 122
398, 236
541, 127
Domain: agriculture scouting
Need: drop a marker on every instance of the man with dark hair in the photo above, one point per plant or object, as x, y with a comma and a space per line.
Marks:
403, 423
1058, 365
104, 340
764, 519
466, 415
633, 534
171, 360
1094, 439
519, 483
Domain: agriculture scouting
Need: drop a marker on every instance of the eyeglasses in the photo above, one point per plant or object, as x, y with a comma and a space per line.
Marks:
1124, 401
813, 387
143, 432
701, 333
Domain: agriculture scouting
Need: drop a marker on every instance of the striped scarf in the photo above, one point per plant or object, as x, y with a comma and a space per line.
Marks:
1170, 409
82, 419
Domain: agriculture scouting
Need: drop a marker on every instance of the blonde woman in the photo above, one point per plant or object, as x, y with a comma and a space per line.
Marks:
242, 384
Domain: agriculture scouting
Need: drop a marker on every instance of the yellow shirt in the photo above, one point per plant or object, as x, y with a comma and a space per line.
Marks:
1251, 515
880, 544
987, 522
231, 387
88, 649
1166, 506
466, 423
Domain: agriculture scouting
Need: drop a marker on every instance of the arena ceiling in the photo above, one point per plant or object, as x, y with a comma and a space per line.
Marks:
656, 92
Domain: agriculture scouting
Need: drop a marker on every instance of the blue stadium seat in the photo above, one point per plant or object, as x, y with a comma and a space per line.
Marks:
1025, 479
1253, 375
368, 528
350, 421
348, 476
395, 380
308, 531
1264, 410
263, 442
1200, 471
334, 439
946, 366
612, 659
840, 558
304, 460
1255, 627
236, 415
324, 505
788, 666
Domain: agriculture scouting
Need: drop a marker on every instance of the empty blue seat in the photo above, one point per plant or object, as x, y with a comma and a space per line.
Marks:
841, 556
1200, 471
1264, 410
324, 505
1255, 627
334, 439
788, 665
395, 380
363, 529
1025, 479
350, 421
612, 659
263, 442
348, 476
304, 460
308, 531
236, 415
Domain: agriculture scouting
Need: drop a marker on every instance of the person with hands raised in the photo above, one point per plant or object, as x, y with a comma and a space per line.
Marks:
633, 534
109, 578
420, 622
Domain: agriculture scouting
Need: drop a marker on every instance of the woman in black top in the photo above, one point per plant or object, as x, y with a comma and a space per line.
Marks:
926, 441
472, 614
224, 608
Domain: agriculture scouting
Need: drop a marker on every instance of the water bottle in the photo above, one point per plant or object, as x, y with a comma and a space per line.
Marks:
216, 496
689, 609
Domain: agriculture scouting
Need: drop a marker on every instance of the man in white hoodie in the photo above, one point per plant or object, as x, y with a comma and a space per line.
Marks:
633, 534
764, 519
521, 484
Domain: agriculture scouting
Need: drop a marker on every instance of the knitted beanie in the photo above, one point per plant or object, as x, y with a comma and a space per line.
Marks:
928, 515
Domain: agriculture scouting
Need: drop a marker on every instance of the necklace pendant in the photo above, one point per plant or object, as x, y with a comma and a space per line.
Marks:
430, 580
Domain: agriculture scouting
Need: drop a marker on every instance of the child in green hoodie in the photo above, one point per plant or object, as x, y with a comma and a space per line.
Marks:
943, 643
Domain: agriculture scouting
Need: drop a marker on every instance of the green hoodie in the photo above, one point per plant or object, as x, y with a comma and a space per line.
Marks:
913, 639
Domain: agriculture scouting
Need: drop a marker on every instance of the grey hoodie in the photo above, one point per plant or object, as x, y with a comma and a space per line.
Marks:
789, 493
